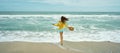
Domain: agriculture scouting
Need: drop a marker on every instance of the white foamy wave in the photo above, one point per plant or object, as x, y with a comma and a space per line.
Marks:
59, 15
93, 27
93, 35
100, 18
28, 36
46, 36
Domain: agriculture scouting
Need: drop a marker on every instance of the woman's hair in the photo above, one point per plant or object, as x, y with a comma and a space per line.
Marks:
63, 19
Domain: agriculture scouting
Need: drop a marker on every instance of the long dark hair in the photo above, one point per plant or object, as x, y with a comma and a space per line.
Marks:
63, 19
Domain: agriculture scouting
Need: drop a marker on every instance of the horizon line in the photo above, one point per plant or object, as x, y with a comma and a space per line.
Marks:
58, 11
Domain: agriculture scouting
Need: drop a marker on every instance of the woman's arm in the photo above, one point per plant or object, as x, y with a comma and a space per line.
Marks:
57, 24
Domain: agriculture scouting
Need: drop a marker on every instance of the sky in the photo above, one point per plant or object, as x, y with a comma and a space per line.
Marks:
61, 5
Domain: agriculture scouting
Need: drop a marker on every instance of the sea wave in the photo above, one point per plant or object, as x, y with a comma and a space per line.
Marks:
46, 36
39, 28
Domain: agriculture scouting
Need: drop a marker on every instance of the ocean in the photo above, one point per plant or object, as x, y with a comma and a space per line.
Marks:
37, 26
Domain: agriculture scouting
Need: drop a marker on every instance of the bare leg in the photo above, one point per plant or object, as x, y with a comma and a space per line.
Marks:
61, 38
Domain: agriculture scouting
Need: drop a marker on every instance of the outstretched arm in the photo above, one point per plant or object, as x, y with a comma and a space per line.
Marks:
57, 24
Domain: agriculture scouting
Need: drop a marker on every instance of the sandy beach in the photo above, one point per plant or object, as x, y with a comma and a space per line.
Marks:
68, 47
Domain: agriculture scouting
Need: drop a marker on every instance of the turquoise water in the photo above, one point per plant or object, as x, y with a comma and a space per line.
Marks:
37, 27
48, 13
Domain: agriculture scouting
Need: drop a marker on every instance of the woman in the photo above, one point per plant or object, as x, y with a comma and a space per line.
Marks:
61, 26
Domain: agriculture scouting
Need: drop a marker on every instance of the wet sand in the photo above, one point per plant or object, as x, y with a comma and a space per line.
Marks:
68, 47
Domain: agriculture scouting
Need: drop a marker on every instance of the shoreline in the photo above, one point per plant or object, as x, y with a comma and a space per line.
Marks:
68, 47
